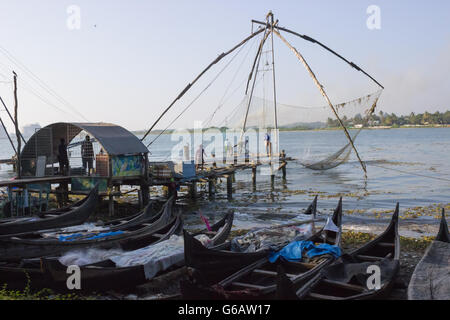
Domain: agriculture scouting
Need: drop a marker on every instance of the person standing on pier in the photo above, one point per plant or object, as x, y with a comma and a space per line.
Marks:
63, 159
199, 159
268, 143
247, 151
87, 154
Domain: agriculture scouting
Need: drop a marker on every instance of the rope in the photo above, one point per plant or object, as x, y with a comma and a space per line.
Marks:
223, 100
198, 96
40, 82
411, 173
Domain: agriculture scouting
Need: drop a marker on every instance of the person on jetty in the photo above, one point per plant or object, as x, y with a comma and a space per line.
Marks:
63, 159
199, 159
268, 144
87, 154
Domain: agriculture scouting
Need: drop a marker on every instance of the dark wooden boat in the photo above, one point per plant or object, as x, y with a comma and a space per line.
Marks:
431, 277
100, 276
212, 265
348, 277
58, 218
147, 215
258, 280
134, 237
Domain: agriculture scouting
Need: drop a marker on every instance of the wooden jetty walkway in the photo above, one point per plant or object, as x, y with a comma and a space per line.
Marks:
209, 175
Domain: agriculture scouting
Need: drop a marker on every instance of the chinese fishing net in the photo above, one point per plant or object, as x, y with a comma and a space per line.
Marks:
321, 142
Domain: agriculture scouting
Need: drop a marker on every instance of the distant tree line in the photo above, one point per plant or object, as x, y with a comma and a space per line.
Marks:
386, 119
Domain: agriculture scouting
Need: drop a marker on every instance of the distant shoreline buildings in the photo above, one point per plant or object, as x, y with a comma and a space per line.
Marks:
30, 129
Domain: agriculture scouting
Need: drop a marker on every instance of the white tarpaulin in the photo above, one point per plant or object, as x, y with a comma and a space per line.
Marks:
155, 258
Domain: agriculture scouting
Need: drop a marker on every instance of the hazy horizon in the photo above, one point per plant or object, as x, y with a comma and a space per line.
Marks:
129, 60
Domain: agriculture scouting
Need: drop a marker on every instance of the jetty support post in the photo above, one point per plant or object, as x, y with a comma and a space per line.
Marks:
111, 200
193, 190
272, 176
141, 204
144, 193
212, 187
254, 178
229, 187
145, 188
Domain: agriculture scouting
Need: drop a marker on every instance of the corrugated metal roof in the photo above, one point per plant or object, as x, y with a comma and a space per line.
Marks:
114, 139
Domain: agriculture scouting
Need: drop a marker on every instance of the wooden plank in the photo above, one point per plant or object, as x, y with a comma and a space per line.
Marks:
247, 285
270, 273
344, 285
368, 258
386, 244
323, 296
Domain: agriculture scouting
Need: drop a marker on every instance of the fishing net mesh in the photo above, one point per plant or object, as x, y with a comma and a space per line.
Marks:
259, 113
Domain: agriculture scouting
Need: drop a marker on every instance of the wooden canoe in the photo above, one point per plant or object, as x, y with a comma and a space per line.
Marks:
139, 236
258, 280
72, 215
99, 276
213, 265
431, 277
347, 277
150, 213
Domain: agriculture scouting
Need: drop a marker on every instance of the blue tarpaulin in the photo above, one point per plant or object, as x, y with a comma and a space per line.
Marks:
105, 234
76, 236
294, 250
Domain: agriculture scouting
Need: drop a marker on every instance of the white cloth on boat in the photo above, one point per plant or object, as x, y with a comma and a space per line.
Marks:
330, 226
155, 258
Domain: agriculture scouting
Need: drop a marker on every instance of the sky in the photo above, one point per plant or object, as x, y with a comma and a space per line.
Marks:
130, 59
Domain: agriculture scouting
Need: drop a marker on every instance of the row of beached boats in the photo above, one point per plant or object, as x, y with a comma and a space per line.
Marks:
367, 272
32, 250
124, 253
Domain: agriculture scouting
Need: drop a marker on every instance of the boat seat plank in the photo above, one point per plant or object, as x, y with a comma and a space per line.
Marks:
323, 296
344, 285
270, 273
304, 264
386, 244
369, 258
247, 285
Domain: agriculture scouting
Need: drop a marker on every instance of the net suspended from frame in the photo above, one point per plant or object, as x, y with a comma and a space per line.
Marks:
315, 153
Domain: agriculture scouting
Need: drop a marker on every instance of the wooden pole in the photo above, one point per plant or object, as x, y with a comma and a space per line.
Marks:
273, 71
212, 187
322, 91
16, 123
193, 190
229, 187
258, 55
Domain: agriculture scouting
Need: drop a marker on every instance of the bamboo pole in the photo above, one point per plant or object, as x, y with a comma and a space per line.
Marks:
255, 60
273, 72
220, 57
322, 91
258, 56
16, 123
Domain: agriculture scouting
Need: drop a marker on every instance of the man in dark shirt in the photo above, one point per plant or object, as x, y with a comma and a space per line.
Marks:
62, 157
87, 154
